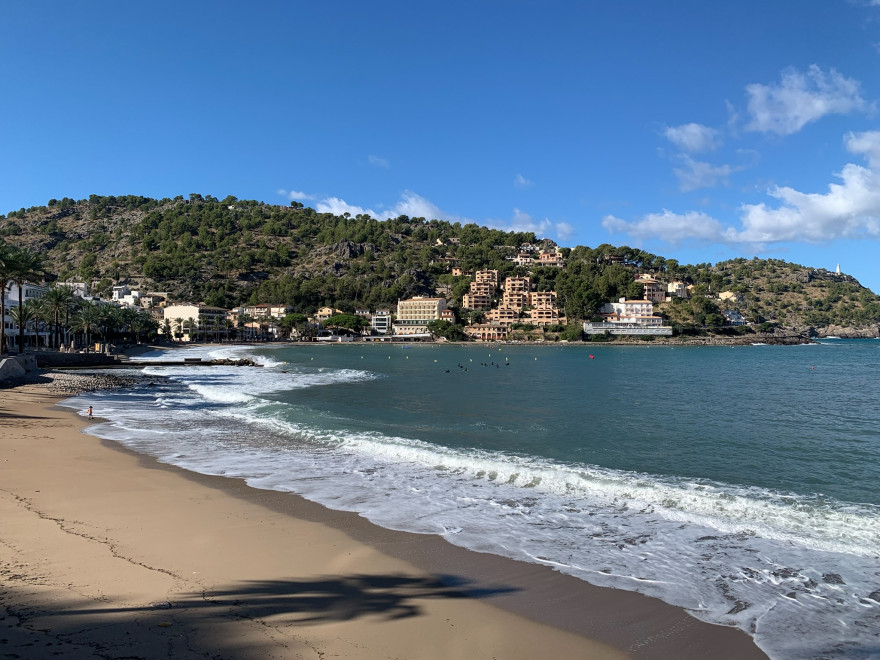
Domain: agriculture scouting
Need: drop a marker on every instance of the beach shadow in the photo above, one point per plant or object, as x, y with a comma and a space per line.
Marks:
341, 598
209, 622
15, 415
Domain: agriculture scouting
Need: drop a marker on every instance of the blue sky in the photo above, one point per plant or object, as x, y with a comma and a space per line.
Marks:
696, 130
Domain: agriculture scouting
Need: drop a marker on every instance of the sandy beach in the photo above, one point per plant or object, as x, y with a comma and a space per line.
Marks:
106, 553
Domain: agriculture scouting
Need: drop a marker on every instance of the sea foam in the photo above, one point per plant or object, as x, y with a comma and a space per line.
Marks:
789, 569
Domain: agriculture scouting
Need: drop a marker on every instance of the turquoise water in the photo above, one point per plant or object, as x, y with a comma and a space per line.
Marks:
739, 483
803, 419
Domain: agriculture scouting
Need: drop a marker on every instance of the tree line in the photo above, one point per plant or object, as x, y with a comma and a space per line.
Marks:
230, 252
58, 314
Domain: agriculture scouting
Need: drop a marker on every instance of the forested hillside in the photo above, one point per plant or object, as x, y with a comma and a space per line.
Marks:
230, 251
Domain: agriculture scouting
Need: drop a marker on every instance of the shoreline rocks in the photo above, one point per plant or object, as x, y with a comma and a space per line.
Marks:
72, 384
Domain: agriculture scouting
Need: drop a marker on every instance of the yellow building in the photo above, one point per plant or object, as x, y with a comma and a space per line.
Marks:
414, 314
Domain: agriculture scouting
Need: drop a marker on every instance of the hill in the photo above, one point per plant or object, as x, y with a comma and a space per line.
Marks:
230, 251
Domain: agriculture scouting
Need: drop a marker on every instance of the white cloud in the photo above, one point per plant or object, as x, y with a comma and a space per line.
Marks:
410, 203
850, 209
523, 222
416, 206
801, 98
564, 230
668, 226
694, 174
378, 161
521, 182
866, 144
693, 138
732, 118
338, 206
294, 194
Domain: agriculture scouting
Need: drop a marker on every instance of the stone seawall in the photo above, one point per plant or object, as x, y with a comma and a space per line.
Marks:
17, 366
50, 359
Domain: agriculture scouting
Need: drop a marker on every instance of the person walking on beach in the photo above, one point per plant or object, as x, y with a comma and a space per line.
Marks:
90, 412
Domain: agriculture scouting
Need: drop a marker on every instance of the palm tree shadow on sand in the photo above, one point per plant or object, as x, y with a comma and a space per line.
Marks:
195, 624
338, 598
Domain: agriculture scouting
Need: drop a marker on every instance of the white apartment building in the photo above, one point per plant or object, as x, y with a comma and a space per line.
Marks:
381, 321
29, 292
628, 317
414, 314
630, 311
261, 311
523, 259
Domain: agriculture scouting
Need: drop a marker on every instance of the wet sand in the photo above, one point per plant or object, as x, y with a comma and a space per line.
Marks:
107, 553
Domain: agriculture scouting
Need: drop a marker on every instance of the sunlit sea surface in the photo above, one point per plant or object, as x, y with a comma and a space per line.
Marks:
741, 483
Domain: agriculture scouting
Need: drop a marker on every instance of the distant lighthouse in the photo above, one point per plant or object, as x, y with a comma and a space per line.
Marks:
838, 269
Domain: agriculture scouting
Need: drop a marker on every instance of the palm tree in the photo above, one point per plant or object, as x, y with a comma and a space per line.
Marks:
125, 320
87, 320
178, 328
7, 269
57, 300
23, 315
113, 321
43, 323
166, 329
142, 322
190, 326
28, 265
214, 327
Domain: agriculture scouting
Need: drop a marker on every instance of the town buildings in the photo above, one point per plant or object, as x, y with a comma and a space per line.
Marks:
186, 319
414, 314
518, 304
654, 290
628, 317
381, 322
29, 292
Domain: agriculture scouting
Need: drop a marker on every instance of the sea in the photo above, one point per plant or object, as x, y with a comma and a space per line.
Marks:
740, 483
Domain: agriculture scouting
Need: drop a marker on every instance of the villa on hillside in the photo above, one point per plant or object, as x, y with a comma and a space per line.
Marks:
552, 259
628, 317
677, 289
325, 313
734, 317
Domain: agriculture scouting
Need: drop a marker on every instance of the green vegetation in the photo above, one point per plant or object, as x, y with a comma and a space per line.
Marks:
230, 252
446, 329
